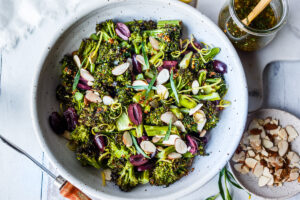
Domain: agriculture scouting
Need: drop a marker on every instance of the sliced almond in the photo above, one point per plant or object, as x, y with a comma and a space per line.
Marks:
255, 141
274, 149
195, 109
127, 140
156, 139
92, 96
294, 174
77, 61
275, 132
254, 125
120, 69
241, 168
270, 126
283, 134
262, 181
148, 146
140, 59
180, 126
168, 117
139, 83
86, 75
291, 132
171, 140
251, 153
174, 155
239, 157
267, 120
203, 133
267, 143
163, 76
108, 100
180, 146
271, 181
258, 170
274, 121
264, 153
199, 116
162, 91
257, 157
159, 148
195, 87
266, 172
201, 125
107, 174
154, 43
250, 162
283, 147
293, 157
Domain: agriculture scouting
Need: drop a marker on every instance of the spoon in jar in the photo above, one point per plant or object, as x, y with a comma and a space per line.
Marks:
256, 11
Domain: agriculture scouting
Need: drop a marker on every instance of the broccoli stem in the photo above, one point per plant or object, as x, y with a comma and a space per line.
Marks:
154, 58
209, 97
164, 23
187, 102
159, 130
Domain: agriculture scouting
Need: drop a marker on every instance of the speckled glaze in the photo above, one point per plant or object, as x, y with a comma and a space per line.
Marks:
223, 139
249, 181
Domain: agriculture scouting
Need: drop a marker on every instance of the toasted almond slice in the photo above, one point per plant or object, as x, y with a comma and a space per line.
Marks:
163, 76
154, 43
254, 124
127, 140
139, 83
258, 170
294, 174
148, 146
293, 157
283, 147
195, 109
156, 138
241, 168
275, 132
270, 126
180, 126
267, 143
267, 120
77, 61
251, 153
174, 155
257, 157
168, 117
107, 174
274, 121
203, 133
264, 153
291, 132
274, 149
266, 172
140, 59
239, 157
250, 162
120, 69
283, 134
159, 148
262, 181
108, 100
255, 131
171, 140
201, 125
162, 91
86, 75
255, 141
92, 96
195, 87
271, 181
180, 146
199, 116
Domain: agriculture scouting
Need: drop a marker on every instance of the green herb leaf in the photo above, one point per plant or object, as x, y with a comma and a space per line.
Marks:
150, 85
232, 180
77, 77
169, 131
145, 56
220, 184
140, 87
173, 87
138, 147
228, 196
213, 197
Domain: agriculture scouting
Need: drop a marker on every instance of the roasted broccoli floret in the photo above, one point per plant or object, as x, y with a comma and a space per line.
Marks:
108, 29
80, 134
69, 70
111, 52
189, 123
144, 177
127, 178
166, 173
87, 154
153, 117
87, 160
141, 25
211, 113
86, 48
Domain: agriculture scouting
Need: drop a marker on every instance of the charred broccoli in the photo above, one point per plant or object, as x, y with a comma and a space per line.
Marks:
127, 178
80, 134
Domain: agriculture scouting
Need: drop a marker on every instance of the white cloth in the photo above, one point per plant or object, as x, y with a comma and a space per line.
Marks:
18, 18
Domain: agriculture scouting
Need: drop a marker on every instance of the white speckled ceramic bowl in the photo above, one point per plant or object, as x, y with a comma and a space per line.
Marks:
224, 138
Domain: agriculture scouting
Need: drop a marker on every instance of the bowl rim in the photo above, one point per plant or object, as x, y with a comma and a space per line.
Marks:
34, 109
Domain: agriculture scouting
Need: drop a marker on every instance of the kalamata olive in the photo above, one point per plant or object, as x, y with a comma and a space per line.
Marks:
220, 66
135, 113
71, 118
100, 141
196, 44
143, 138
138, 160
57, 123
122, 31
83, 86
136, 65
204, 140
168, 64
83, 81
145, 167
192, 142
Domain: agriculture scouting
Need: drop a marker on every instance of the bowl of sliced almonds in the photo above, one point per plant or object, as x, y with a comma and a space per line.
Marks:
266, 162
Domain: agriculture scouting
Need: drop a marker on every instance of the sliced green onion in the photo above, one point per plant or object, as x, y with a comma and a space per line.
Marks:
138, 147
145, 56
232, 180
77, 76
150, 85
220, 184
213, 197
140, 87
169, 131
173, 87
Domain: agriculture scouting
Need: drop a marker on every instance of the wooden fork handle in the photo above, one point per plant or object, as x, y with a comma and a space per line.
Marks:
71, 192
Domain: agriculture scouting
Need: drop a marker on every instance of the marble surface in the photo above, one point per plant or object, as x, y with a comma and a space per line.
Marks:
20, 179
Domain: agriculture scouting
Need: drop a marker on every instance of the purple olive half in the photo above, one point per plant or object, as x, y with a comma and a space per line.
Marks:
196, 44
71, 118
192, 142
83, 86
122, 31
220, 66
143, 138
100, 141
135, 113
57, 123
136, 65
168, 64
138, 160
145, 167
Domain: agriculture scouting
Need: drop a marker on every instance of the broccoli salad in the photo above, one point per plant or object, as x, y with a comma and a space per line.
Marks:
137, 100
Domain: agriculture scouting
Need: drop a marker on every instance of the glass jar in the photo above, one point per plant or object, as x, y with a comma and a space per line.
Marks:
245, 37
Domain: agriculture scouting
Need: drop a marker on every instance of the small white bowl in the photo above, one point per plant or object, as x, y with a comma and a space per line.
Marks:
224, 138
249, 181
